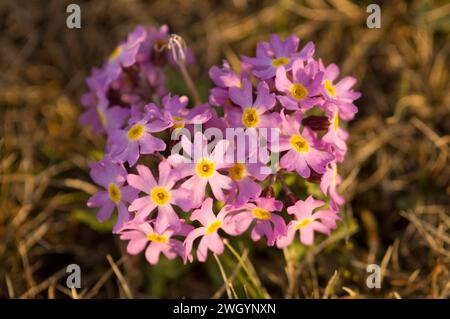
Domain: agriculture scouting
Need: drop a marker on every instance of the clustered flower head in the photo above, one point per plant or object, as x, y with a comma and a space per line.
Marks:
180, 182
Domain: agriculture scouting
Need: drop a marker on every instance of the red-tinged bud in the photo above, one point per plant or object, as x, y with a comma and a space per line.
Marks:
316, 123
268, 192
115, 98
159, 52
314, 177
132, 76
291, 199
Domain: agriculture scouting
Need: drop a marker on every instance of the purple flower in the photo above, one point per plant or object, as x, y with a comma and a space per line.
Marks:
202, 167
277, 53
124, 55
266, 223
111, 176
303, 151
98, 115
155, 238
338, 97
303, 90
328, 184
126, 145
208, 231
159, 195
308, 220
253, 114
104, 119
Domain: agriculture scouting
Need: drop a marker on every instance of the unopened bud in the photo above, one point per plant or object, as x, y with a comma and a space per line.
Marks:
314, 177
159, 52
268, 192
291, 199
316, 123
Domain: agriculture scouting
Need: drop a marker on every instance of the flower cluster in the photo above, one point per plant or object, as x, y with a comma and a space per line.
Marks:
182, 175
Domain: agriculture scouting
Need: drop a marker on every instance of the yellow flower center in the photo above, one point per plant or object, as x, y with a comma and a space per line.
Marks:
159, 195
336, 121
329, 87
157, 238
179, 122
101, 117
135, 132
117, 51
205, 168
280, 61
213, 227
261, 213
298, 91
237, 172
299, 144
250, 118
304, 222
114, 193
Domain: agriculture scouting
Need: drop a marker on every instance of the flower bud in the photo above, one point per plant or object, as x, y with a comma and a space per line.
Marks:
268, 192
314, 177
316, 123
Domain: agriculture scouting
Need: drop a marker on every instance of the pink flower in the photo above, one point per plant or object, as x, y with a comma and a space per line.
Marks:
303, 90
276, 54
111, 176
224, 78
266, 223
308, 220
176, 114
208, 231
155, 238
159, 195
203, 168
338, 97
126, 145
303, 148
253, 113
246, 178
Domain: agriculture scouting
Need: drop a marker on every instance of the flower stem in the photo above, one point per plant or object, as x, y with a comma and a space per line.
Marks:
252, 278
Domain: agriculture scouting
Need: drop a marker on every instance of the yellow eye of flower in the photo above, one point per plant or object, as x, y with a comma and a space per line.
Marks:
304, 222
179, 122
157, 238
329, 87
213, 227
250, 118
299, 144
298, 91
117, 51
159, 195
205, 168
135, 132
261, 213
237, 172
280, 61
336, 121
101, 117
114, 193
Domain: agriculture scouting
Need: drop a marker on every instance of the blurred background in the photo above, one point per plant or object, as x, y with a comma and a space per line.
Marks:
396, 175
